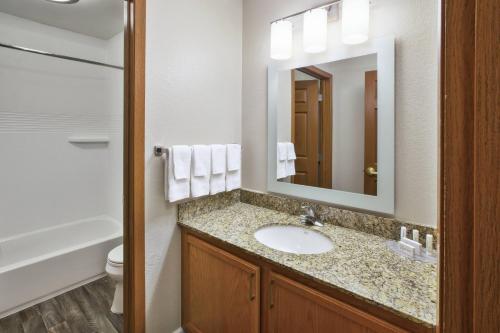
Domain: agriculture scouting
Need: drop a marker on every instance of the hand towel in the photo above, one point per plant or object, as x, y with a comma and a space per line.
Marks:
290, 151
233, 157
281, 160
175, 190
218, 159
218, 176
282, 152
181, 156
233, 180
200, 183
201, 160
290, 168
290, 161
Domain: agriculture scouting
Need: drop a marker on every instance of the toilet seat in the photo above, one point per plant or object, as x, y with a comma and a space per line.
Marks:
115, 256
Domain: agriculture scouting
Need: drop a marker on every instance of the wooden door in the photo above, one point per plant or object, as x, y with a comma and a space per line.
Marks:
220, 292
295, 308
370, 166
305, 132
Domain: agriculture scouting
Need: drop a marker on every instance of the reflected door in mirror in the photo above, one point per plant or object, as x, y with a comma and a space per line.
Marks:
311, 130
305, 126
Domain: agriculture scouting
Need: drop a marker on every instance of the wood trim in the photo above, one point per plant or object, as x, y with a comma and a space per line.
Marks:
470, 136
486, 258
133, 181
315, 72
327, 131
268, 266
457, 134
293, 106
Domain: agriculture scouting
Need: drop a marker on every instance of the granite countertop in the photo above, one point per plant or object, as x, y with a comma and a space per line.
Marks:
359, 264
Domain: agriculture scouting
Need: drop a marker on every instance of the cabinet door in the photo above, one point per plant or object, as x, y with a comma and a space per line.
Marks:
220, 292
294, 307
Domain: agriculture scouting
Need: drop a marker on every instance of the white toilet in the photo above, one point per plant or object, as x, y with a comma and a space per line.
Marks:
114, 268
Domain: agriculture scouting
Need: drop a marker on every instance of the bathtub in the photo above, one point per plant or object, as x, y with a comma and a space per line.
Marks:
39, 265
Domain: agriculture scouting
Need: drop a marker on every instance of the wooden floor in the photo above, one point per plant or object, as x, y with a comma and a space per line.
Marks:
82, 310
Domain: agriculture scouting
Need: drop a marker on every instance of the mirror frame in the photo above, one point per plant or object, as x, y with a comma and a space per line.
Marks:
383, 202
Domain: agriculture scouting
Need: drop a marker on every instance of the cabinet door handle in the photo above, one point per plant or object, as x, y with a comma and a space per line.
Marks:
252, 287
271, 297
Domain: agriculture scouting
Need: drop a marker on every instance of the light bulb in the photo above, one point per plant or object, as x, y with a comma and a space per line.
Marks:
355, 21
315, 30
281, 40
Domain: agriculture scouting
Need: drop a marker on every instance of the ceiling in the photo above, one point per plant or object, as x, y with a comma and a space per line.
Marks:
97, 18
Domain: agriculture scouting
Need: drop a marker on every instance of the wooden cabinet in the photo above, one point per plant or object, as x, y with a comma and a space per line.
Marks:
293, 307
225, 290
220, 292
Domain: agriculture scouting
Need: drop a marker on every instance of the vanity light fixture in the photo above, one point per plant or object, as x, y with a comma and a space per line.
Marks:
281, 40
355, 21
315, 30
355, 27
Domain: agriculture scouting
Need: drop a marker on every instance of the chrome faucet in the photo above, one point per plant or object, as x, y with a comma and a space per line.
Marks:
309, 218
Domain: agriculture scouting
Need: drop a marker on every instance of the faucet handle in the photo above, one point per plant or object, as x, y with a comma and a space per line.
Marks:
308, 210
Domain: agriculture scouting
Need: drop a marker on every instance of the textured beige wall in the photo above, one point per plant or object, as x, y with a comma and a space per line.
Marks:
414, 24
193, 95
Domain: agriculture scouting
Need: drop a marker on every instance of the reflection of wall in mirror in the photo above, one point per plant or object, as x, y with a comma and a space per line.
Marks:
284, 105
349, 121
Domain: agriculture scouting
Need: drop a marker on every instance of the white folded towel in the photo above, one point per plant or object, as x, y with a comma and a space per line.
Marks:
290, 168
181, 156
281, 160
282, 152
201, 160
233, 157
290, 161
200, 172
233, 180
290, 151
175, 190
233, 175
218, 176
217, 183
218, 159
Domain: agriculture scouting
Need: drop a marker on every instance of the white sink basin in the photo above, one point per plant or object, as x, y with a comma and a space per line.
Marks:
293, 239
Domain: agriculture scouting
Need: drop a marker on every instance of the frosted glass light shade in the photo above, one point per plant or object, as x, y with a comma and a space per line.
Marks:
315, 30
281, 40
355, 21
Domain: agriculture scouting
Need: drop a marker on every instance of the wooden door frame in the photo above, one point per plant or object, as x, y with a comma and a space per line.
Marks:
469, 191
326, 87
133, 175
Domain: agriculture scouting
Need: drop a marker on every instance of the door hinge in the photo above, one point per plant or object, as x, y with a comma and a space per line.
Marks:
320, 97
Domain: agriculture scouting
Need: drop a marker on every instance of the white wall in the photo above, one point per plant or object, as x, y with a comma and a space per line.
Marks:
193, 95
45, 180
414, 23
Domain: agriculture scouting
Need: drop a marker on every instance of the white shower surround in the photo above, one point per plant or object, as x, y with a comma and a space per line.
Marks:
61, 202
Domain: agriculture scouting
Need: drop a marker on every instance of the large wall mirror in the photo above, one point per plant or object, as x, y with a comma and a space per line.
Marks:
331, 127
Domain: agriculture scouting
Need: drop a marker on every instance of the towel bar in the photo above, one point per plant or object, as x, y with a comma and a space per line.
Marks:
160, 150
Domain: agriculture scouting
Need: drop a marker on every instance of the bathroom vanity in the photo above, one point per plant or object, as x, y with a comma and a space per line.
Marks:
331, 139
233, 283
